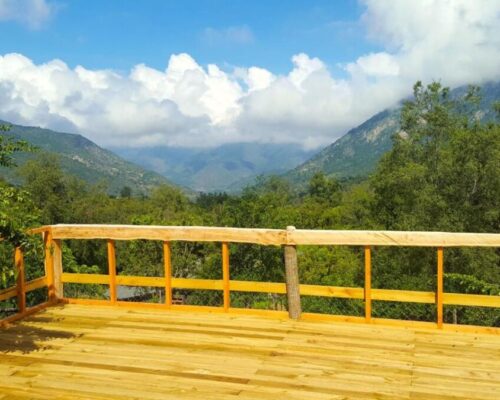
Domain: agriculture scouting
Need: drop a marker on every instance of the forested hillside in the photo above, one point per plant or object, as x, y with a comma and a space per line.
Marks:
83, 159
357, 152
442, 174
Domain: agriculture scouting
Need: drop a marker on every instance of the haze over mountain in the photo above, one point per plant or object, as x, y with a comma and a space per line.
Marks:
357, 152
84, 159
227, 168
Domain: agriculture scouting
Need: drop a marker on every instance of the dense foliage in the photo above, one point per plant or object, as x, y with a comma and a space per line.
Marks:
441, 174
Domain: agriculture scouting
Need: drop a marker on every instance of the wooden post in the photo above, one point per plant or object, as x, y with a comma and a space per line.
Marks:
225, 276
49, 263
368, 284
439, 289
112, 271
167, 262
21, 289
292, 280
58, 268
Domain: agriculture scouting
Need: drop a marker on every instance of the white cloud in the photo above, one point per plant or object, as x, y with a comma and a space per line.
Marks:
32, 13
231, 35
188, 104
375, 64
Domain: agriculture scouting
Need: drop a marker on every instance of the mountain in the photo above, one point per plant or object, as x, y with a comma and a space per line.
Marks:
84, 159
228, 167
357, 152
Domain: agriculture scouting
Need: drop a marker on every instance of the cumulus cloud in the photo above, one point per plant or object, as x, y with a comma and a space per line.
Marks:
188, 104
32, 13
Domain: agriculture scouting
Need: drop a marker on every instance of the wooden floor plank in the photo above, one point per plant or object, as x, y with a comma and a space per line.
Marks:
89, 352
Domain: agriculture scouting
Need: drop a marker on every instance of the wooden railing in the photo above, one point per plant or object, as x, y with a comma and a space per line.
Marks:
22, 287
290, 238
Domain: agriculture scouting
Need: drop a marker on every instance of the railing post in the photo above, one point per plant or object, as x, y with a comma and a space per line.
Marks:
167, 263
225, 276
368, 284
57, 264
112, 271
49, 262
439, 289
292, 279
21, 289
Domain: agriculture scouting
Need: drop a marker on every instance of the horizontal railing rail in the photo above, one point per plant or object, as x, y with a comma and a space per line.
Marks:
21, 289
277, 237
289, 238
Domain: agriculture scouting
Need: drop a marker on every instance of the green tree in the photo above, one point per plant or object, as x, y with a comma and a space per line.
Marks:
442, 174
325, 190
9, 146
48, 185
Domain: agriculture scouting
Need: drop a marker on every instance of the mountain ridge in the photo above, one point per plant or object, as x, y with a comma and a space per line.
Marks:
228, 167
356, 153
82, 158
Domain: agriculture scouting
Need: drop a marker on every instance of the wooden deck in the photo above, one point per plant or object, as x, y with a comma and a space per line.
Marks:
85, 352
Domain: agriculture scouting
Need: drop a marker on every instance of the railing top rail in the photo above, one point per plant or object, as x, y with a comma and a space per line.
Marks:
273, 236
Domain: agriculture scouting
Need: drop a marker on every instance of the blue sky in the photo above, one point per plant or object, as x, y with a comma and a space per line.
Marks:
203, 73
120, 34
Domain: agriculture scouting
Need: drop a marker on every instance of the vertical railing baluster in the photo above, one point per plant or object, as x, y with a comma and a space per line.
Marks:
292, 278
21, 289
167, 263
368, 284
57, 268
225, 276
112, 271
439, 288
49, 263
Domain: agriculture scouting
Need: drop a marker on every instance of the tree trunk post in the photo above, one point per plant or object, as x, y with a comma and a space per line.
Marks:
58, 268
49, 263
292, 279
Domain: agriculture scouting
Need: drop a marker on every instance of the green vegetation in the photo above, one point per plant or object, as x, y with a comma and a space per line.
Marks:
80, 158
357, 153
442, 173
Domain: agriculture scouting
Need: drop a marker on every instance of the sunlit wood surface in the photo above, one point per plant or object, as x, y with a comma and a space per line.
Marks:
85, 352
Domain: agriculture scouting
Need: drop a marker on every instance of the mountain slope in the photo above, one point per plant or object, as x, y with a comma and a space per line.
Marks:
357, 152
229, 167
84, 159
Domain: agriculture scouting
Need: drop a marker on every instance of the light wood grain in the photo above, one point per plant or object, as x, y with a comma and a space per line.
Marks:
58, 268
393, 238
49, 262
439, 287
170, 233
85, 278
96, 353
276, 236
151, 281
206, 284
270, 287
258, 287
368, 283
407, 296
167, 264
36, 284
225, 277
477, 300
21, 283
8, 293
332, 291
29, 286
112, 271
